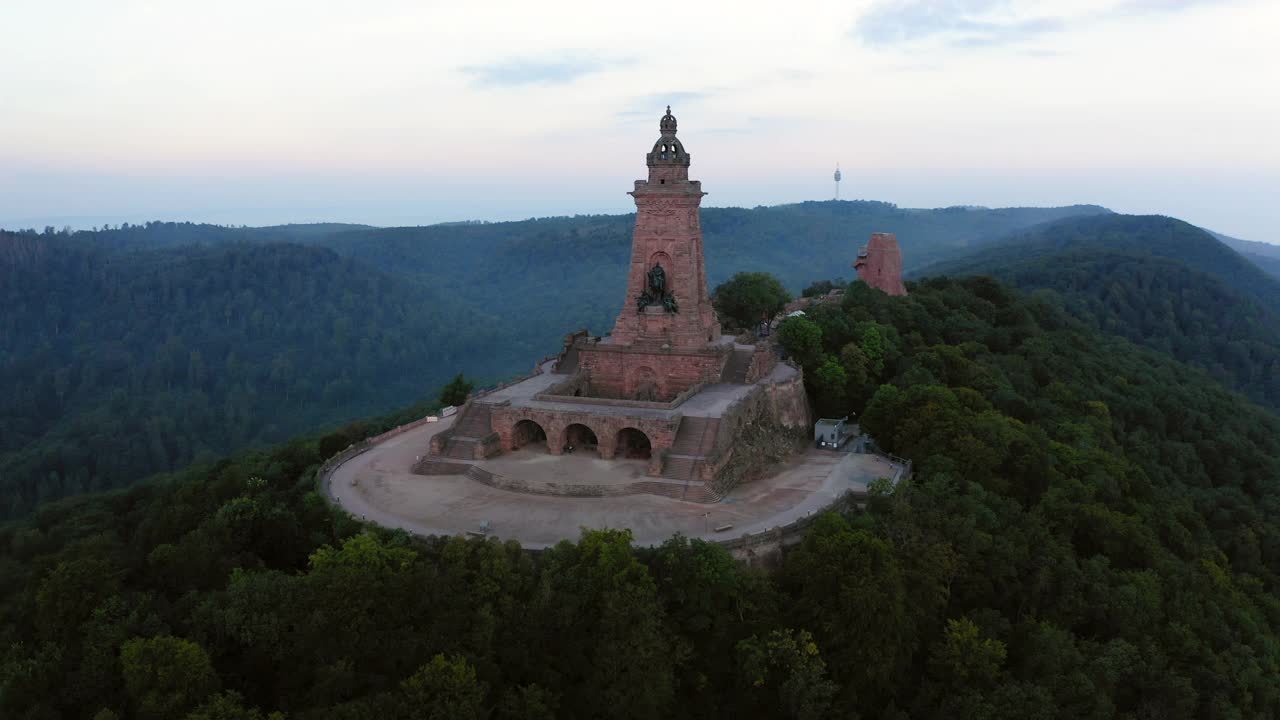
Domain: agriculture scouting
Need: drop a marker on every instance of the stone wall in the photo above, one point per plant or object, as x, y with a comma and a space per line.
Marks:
578, 390
502, 482
763, 360
789, 403
624, 370
783, 403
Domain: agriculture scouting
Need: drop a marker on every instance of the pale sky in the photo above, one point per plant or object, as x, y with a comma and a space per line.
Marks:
394, 112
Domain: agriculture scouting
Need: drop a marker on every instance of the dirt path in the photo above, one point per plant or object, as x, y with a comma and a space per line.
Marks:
377, 486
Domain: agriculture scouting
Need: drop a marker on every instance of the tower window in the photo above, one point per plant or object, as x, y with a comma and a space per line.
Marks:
662, 182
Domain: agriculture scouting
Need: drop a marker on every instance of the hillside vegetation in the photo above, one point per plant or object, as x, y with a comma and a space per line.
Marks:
1092, 532
118, 363
138, 349
1157, 281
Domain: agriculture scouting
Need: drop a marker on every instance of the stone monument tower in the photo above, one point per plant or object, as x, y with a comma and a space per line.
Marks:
665, 386
667, 300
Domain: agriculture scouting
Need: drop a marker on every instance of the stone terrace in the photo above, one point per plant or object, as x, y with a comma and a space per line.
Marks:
380, 486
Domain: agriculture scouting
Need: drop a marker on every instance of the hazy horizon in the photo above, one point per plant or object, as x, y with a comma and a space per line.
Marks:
401, 114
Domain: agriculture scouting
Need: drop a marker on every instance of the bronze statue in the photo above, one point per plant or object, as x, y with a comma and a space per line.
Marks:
658, 280
656, 291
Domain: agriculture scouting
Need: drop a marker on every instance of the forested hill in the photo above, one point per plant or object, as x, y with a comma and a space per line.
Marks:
138, 348
154, 235
116, 363
1092, 532
1157, 281
559, 274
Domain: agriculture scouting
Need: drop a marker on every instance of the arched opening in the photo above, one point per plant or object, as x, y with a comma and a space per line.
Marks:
580, 438
526, 432
633, 444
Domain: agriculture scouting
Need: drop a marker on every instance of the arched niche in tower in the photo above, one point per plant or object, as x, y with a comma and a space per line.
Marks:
660, 258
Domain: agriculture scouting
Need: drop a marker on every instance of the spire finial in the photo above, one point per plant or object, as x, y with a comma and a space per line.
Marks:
668, 123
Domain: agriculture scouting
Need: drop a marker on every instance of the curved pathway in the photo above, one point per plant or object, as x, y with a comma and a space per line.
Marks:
377, 486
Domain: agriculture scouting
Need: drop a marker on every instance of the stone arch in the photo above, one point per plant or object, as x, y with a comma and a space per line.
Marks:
663, 259
528, 432
643, 384
633, 444
580, 437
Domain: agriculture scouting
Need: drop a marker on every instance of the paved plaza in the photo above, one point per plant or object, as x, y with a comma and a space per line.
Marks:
378, 486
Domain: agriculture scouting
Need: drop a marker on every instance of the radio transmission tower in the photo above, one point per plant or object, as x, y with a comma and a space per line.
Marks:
837, 177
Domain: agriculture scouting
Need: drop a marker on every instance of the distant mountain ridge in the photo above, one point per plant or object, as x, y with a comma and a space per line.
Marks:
137, 349
1157, 281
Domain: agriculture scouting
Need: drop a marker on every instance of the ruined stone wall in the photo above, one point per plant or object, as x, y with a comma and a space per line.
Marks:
789, 404
879, 264
763, 361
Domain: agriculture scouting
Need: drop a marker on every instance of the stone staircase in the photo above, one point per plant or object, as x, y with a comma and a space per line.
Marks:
695, 439
568, 364
696, 436
735, 370
471, 427
679, 467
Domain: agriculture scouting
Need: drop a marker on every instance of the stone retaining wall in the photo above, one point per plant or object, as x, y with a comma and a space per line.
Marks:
501, 482
557, 393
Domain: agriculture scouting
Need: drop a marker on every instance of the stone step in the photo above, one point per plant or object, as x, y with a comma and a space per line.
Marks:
679, 467
689, 436
691, 492
735, 370
696, 436
709, 433
476, 422
440, 467
568, 364
459, 448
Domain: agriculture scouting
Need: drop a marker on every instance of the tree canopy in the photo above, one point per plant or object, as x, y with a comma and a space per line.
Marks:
1091, 532
748, 298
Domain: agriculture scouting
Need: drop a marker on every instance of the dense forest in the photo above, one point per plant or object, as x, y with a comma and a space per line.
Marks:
140, 348
1093, 531
1157, 281
115, 364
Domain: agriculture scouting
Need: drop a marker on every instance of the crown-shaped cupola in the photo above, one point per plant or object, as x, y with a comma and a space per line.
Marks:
668, 162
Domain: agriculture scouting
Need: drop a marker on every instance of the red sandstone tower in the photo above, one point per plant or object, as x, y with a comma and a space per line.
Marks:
665, 385
667, 339
879, 264
667, 300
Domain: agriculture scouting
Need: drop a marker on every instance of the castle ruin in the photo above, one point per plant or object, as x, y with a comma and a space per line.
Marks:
879, 264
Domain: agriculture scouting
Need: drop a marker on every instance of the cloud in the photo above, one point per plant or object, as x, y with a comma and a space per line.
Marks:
961, 23
989, 23
1160, 6
538, 71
